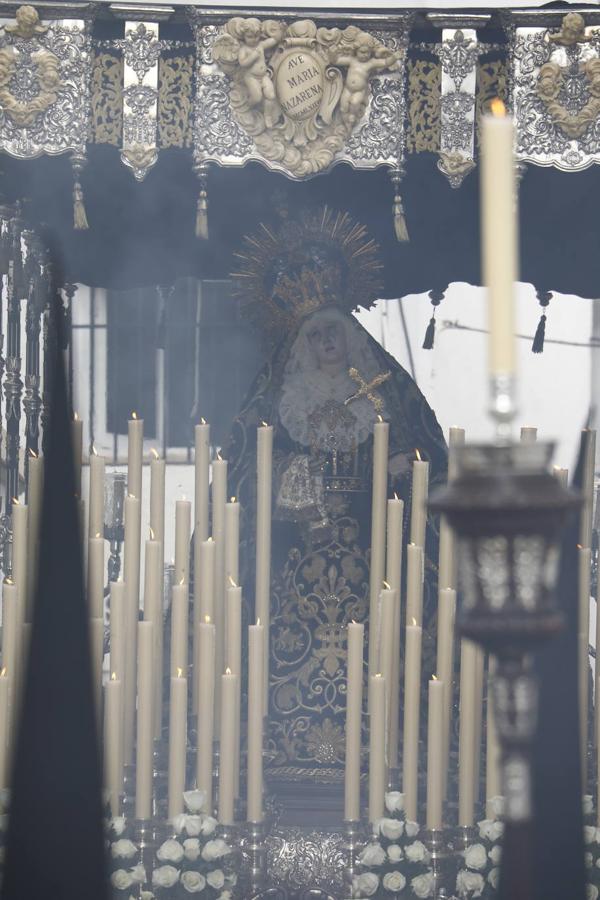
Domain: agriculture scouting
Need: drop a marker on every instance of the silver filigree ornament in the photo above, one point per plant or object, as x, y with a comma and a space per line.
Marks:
141, 53
141, 49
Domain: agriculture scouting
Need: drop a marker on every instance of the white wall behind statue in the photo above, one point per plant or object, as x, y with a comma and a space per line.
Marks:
554, 387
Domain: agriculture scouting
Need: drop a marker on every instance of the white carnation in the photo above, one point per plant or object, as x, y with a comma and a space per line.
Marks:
589, 834
411, 828
394, 882
118, 825
422, 885
591, 892
215, 849
208, 825
495, 855
191, 849
491, 830
469, 883
121, 880
366, 884
138, 874
416, 852
193, 825
216, 879
123, 849
392, 829
476, 856
193, 882
588, 804
170, 851
394, 853
178, 822
165, 876
372, 855
194, 801
494, 877
394, 801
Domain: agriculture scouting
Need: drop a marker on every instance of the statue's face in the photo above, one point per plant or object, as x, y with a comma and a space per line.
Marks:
328, 341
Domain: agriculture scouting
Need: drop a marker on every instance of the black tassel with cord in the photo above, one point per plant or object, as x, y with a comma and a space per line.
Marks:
201, 171
544, 298
436, 297
80, 222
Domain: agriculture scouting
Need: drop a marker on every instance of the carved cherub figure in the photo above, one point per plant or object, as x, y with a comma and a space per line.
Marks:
369, 56
254, 73
27, 23
572, 31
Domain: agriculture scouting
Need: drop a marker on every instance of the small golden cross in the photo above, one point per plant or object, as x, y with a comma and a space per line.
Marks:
367, 388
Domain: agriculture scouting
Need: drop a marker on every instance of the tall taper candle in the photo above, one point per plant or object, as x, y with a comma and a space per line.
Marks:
587, 488
77, 438
131, 572
177, 744
35, 490
205, 676
96, 497
387, 651
395, 513
204, 599
157, 498
418, 506
113, 743
376, 747
353, 721
256, 661
179, 628
264, 482
381, 432
233, 661
478, 707
153, 612
10, 619
226, 745
201, 480
118, 604
4, 723
435, 753
219, 498
499, 202
445, 666
414, 583
19, 577
135, 445
466, 762
232, 540
183, 524
585, 570
412, 695
145, 721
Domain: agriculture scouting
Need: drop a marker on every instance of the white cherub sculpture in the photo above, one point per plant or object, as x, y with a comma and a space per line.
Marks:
369, 56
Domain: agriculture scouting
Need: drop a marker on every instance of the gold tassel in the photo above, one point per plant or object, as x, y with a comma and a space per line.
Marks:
80, 222
400, 220
202, 217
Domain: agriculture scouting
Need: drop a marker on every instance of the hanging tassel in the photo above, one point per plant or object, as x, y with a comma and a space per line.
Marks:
202, 216
80, 222
429, 335
540, 334
400, 220
544, 298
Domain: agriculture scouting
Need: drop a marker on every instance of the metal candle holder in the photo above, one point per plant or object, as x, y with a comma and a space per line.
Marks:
508, 511
442, 861
256, 850
354, 841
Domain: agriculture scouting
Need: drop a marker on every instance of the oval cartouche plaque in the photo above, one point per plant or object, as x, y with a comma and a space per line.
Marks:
299, 84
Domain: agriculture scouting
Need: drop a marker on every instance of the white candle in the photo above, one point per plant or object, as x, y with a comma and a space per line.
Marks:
395, 513
204, 600
157, 497
445, 665
492, 765
435, 753
95, 577
35, 492
201, 480
135, 445
131, 571
183, 523
585, 571
466, 761
528, 434
145, 731
418, 506
153, 612
233, 661
219, 498
264, 487
10, 613
206, 687
227, 749
412, 698
4, 723
376, 747
499, 200
179, 628
96, 496
353, 721
478, 706
387, 652
378, 512
177, 745
77, 438
118, 605
414, 583
113, 743
256, 658
232, 540
587, 488
19, 577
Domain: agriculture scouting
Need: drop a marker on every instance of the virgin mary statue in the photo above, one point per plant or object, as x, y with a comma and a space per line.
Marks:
300, 282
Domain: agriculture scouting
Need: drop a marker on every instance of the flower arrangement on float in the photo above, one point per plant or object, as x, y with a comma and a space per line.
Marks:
479, 873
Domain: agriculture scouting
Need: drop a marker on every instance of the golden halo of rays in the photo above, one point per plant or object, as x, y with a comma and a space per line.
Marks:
300, 295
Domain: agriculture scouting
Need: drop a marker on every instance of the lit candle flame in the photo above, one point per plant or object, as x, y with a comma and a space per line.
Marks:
94, 451
179, 672
182, 581
387, 586
379, 417
378, 675
32, 453
232, 582
210, 540
264, 424
497, 108
130, 496
98, 534
113, 677
151, 533
233, 500
396, 497
3, 672
434, 678
258, 621
75, 417
8, 580
413, 621
417, 454
579, 546
219, 457
207, 620
203, 420
154, 452
134, 415
15, 500
228, 671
